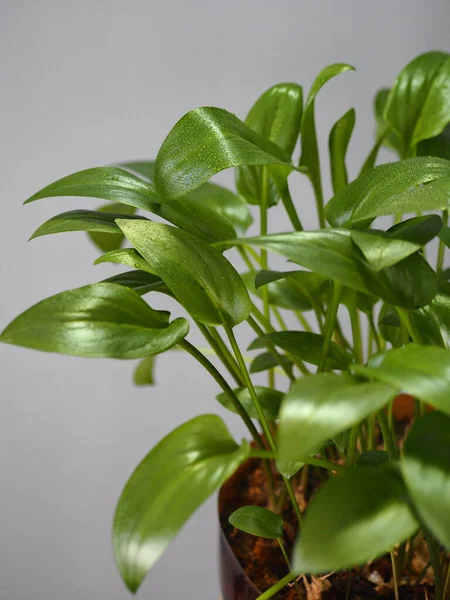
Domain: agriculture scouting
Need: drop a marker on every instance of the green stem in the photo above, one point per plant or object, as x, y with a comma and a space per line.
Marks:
278, 586
389, 440
395, 575
226, 353
330, 323
437, 569
405, 319
315, 462
288, 204
356, 333
447, 582
351, 453
270, 347
193, 351
230, 365
279, 318
288, 562
374, 332
245, 258
303, 321
441, 250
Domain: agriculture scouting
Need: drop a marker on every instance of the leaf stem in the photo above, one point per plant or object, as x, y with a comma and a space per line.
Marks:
221, 351
436, 564
279, 585
395, 575
271, 348
441, 250
405, 319
330, 323
388, 437
351, 454
356, 333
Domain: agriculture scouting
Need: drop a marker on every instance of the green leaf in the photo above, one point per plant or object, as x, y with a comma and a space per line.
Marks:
418, 230
282, 292
202, 280
389, 324
167, 487
418, 106
128, 257
353, 300
411, 283
257, 521
204, 142
310, 151
321, 406
269, 399
139, 281
422, 371
372, 458
382, 251
353, 519
102, 320
433, 322
329, 253
436, 146
297, 288
338, 144
275, 116
288, 468
426, 470
82, 220
390, 138
306, 346
413, 185
144, 168
143, 374
267, 361
109, 183
106, 242
444, 235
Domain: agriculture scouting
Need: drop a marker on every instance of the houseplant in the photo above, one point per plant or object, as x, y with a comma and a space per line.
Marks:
383, 487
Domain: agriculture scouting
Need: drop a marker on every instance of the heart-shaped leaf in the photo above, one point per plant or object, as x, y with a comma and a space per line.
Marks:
269, 399
205, 141
413, 185
275, 116
306, 346
418, 106
257, 521
421, 371
426, 470
321, 406
102, 320
338, 144
172, 481
202, 280
353, 519
109, 183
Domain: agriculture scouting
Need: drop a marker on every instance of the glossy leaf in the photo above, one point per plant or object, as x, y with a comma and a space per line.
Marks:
139, 281
436, 146
421, 371
330, 253
338, 144
307, 288
433, 322
257, 521
275, 116
306, 346
143, 374
417, 230
353, 519
426, 470
172, 481
310, 151
109, 183
267, 361
382, 251
106, 242
321, 406
282, 292
418, 106
128, 257
82, 220
269, 399
390, 138
411, 283
101, 320
144, 168
204, 142
413, 185
202, 280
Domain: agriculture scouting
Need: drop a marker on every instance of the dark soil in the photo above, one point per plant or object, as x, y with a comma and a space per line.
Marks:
264, 564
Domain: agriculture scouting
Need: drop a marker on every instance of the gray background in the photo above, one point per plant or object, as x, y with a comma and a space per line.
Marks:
88, 83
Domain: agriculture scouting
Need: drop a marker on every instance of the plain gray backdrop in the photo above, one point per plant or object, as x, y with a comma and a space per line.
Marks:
89, 83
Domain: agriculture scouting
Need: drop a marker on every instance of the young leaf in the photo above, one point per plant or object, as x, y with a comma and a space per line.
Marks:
421, 371
275, 116
102, 320
321, 406
426, 470
353, 519
128, 257
310, 150
418, 106
202, 280
382, 251
338, 143
269, 399
267, 361
417, 230
413, 185
143, 374
306, 346
257, 521
172, 481
139, 281
205, 141
390, 138
83, 220
109, 183
106, 242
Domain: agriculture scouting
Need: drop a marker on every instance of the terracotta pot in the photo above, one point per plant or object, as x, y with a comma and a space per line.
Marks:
235, 583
